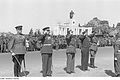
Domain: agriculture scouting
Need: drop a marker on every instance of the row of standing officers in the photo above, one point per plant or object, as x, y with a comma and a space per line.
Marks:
17, 47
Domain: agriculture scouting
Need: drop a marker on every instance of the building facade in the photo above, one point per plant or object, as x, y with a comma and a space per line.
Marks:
62, 29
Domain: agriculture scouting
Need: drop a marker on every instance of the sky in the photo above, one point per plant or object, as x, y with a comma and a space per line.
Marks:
37, 14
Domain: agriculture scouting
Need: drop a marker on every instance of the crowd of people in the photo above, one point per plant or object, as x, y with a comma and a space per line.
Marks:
59, 41
4, 41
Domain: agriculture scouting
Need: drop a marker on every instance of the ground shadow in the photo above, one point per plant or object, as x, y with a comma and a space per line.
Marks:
24, 73
65, 69
90, 66
41, 71
110, 73
79, 67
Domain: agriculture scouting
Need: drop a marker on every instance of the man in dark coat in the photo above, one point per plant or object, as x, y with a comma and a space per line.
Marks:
46, 52
70, 52
93, 50
117, 55
85, 42
18, 49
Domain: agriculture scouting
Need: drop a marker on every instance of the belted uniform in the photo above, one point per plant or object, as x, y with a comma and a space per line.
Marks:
93, 50
17, 46
85, 42
117, 57
70, 52
46, 52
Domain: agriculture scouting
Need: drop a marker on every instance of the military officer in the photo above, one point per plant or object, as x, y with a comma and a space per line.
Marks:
46, 52
117, 55
85, 44
18, 49
70, 52
93, 50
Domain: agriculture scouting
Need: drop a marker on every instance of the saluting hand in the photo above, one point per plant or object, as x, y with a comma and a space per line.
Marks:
115, 58
13, 54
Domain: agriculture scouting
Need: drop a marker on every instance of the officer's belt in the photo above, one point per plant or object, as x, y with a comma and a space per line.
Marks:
46, 44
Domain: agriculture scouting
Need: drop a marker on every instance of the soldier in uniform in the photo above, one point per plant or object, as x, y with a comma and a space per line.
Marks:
46, 52
93, 50
70, 52
18, 49
117, 55
85, 44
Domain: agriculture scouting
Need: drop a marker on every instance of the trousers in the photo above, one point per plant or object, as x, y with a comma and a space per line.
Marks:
17, 66
84, 58
46, 64
70, 62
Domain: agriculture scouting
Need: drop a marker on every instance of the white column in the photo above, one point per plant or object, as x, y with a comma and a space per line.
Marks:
77, 31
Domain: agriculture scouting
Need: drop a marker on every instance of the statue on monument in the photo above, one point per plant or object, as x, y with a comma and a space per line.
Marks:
71, 14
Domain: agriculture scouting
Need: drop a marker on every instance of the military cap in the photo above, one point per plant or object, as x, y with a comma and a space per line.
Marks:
19, 27
46, 28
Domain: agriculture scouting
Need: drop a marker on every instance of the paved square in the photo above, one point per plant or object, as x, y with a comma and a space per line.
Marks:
104, 62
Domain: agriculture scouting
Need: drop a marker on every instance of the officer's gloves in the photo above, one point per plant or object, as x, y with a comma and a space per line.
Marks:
12, 53
118, 50
115, 58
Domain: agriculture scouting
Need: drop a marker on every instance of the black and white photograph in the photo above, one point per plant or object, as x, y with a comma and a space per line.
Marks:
59, 38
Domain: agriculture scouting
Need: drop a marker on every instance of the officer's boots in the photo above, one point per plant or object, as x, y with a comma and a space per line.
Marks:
92, 63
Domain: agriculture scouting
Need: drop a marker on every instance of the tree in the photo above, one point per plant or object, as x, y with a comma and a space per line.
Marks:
39, 33
35, 34
31, 32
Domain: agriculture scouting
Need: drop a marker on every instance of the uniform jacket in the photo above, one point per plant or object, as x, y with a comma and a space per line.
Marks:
116, 48
46, 44
18, 44
85, 41
94, 44
71, 45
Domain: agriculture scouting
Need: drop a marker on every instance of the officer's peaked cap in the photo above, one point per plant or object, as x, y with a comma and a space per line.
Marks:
18, 27
46, 28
